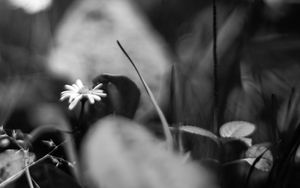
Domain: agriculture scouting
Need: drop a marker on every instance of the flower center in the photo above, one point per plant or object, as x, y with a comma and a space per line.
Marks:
83, 91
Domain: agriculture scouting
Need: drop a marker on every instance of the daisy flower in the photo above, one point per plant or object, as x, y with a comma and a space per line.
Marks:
76, 92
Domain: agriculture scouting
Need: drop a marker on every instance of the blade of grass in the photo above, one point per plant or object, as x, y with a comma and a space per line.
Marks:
164, 122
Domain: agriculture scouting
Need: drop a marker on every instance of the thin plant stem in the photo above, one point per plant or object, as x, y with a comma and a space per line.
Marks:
28, 176
8, 180
215, 69
78, 128
164, 122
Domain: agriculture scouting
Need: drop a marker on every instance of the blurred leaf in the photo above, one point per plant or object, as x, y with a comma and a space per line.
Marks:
195, 86
11, 163
235, 175
120, 153
123, 96
49, 176
31, 6
232, 149
265, 163
236, 129
288, 118
297, 156
246, 141
199, 131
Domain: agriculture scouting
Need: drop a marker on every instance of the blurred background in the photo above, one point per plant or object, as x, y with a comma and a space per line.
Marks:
45, 44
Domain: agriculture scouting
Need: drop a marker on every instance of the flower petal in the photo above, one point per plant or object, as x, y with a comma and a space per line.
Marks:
63, 97
76, 87
73, 96
69, 87
97, 86
97, 91
96, 97
79, 83
91, 98
102, 94
67, 92
74, 102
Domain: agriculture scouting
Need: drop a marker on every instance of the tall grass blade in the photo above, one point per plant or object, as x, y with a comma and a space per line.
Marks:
164, 122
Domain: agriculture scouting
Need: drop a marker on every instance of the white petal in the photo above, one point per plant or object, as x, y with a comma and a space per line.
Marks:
102, 94
97, 98
97, 86
69, 87
74, 102
79, 83
97, 91
73, 96
76, 87
63, 97
91, 99
67, 92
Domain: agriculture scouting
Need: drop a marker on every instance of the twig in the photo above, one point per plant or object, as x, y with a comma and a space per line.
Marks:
26, 161
8, 180
35, 183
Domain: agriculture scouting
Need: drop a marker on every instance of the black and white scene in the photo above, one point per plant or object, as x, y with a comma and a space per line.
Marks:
149, 93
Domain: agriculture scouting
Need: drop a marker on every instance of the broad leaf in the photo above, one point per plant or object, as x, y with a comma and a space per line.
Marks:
125, 95
120, 153
199, 131
260, 156
236, 129
122, 99
11, 163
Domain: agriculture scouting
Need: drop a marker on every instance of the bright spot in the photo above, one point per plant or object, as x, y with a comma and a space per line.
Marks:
31, 6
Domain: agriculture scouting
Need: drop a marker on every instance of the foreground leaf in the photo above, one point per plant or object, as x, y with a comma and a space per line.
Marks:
119, 153
11, 162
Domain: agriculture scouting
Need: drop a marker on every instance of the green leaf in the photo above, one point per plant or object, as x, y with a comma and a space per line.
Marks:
120, 153
237, 129
11, 163
123, 97
199, 131
261, 151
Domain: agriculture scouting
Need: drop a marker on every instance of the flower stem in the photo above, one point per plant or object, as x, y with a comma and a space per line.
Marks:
79, 131
78, 128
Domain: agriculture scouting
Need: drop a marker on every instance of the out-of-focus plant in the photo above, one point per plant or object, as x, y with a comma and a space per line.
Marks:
120, 153
15, 162
31, 6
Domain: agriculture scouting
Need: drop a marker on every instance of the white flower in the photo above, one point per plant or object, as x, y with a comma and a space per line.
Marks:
78, 91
